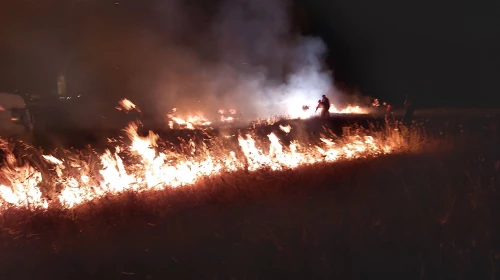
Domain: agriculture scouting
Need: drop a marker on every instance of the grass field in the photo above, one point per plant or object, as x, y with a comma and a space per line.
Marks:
426, 214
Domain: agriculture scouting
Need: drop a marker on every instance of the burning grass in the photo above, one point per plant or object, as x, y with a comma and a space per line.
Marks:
199, 120
146, 163
425, 215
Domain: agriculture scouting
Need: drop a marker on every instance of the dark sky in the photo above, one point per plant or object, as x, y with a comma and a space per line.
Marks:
438, 52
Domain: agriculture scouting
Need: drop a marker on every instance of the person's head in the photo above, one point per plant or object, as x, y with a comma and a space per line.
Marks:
323, 96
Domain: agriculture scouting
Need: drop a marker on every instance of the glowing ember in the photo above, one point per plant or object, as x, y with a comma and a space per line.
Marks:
146, 168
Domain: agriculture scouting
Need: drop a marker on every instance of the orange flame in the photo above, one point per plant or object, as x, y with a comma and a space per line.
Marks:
304, 112
189, 122
127, 105
156, 170
227, 119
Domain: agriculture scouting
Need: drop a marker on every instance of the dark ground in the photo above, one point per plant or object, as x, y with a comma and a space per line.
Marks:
427, 215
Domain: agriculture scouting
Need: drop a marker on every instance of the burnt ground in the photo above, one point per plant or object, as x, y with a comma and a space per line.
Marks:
427, 215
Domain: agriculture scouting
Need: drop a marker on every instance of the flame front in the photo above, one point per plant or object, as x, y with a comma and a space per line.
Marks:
140, 166
297, 111
189, 122
293, 111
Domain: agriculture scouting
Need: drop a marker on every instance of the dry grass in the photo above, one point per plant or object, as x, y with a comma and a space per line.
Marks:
197, 145
427, 215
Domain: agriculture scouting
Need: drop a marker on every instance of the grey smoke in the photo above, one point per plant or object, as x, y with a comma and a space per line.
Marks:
189, 54
246, 58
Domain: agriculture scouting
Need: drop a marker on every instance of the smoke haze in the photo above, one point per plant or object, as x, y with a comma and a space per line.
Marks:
191, 55
244, 56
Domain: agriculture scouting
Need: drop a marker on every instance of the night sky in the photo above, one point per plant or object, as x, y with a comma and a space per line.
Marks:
441, 53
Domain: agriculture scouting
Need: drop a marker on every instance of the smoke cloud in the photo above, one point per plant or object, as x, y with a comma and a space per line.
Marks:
239, 54
192, 55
